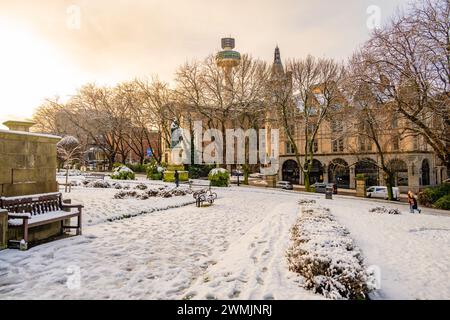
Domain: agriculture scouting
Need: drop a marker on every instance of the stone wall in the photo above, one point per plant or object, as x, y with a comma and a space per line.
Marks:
27, 163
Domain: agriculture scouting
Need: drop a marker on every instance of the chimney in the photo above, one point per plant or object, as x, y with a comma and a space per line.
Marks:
23, 126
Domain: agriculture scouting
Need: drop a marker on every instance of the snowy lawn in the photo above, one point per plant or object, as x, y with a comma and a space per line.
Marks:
100, 205
233, 249
161, 254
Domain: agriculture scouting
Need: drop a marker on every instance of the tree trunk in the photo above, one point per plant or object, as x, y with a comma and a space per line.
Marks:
390, 184
306, 173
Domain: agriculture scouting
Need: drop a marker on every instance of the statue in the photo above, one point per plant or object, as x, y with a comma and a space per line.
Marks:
173, 127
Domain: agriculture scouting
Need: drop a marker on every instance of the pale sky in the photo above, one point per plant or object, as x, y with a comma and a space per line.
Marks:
52, 47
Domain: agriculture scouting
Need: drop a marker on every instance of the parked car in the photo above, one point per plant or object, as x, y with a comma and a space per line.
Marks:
256, 175
321, 187
286, 185
381, 192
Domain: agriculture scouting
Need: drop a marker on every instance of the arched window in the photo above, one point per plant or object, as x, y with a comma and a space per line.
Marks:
291, 172
339, 173
370, 169
425, 172
400, 172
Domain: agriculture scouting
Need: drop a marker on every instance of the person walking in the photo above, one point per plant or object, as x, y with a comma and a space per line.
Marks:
412, 200
177, 178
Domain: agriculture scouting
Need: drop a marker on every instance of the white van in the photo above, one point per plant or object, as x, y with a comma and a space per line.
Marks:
381, 192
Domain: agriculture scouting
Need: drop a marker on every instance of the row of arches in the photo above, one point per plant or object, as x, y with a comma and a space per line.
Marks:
339, 172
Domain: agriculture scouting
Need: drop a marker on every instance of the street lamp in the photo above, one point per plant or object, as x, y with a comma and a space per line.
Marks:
238, 174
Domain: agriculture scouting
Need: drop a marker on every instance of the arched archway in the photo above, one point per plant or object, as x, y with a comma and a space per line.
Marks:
369, 168
339, 173
291, 171
425, 172
316, 174
400, 171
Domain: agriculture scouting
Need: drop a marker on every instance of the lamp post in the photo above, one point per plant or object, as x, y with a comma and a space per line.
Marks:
238, 174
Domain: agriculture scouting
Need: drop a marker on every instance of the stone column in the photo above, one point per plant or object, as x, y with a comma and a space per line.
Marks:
413, 177
325, 173
3, 229
352, 177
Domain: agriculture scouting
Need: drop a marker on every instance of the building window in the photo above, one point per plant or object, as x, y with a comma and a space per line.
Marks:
315, 146
395, 143
362, 144
289, 148
365, 144
338, 145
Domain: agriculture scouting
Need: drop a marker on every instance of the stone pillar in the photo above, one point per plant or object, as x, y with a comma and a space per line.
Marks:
271, 180
325, 173
352, 177
3, 229
413, 177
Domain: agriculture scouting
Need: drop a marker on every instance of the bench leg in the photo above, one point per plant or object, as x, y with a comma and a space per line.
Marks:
25, 235
79, 224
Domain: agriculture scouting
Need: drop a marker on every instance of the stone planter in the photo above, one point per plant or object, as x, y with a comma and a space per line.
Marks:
361, 188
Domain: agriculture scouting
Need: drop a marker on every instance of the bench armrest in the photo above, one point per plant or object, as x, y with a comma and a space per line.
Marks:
17, 216
69, 206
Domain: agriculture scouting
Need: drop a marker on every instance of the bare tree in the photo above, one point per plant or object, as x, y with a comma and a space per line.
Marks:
157, 112
408, 61
315, 89
69, 151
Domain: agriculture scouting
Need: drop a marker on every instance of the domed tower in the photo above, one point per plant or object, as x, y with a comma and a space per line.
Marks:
227, 59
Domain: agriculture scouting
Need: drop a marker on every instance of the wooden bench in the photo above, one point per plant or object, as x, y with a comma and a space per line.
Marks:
204, 195
95, 176
35, 210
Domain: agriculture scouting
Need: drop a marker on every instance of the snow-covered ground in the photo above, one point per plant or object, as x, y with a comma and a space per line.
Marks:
235, 249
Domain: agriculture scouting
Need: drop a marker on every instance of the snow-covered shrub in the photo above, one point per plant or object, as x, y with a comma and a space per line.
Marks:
157, 192
384, 210
154, 171
325, 255
123, 173
219, 177
117, 186
125, 194
141, 186
71, 173
97, 184
306, 201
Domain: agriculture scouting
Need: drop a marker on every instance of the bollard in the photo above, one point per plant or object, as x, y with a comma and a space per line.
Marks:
329, 192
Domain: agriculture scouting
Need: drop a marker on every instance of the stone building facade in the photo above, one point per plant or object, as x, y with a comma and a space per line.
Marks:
338, 157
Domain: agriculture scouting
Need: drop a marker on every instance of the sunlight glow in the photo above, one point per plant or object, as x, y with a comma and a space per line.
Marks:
30, 71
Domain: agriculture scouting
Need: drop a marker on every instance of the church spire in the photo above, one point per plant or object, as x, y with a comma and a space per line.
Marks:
277, 56
277, 67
